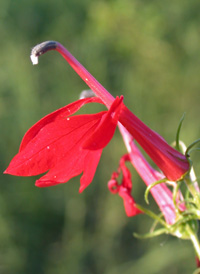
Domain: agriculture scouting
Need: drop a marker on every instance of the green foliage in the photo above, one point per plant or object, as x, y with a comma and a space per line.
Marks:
146, 50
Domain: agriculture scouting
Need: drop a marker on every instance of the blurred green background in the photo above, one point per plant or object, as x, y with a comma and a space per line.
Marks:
146, 50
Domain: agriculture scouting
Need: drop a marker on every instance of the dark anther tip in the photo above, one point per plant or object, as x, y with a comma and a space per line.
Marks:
41, 49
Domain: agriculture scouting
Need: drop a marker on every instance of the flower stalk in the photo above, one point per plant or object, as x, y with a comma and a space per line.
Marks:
194, 239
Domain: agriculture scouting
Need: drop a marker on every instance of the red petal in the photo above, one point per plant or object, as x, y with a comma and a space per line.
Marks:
90, 165
72, 166
106, 128
53, 143
59, 114
124, 189
129, 203
113, 186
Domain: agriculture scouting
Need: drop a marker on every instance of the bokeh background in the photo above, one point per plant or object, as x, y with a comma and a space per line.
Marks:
149, 51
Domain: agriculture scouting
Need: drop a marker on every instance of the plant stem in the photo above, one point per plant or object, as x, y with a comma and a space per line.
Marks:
194, 240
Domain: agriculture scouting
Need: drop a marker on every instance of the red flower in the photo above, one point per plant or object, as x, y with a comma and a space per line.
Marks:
173, 164
66, 145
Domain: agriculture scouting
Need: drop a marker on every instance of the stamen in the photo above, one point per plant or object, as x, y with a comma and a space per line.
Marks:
97, 88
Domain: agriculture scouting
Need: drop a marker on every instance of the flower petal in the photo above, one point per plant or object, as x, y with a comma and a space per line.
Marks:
59, 114
72, 166
53, 143
129, 203
124, 189
90, 166
105, 131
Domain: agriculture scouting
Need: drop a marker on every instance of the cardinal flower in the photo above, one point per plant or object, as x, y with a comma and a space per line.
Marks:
173, 164
66, 145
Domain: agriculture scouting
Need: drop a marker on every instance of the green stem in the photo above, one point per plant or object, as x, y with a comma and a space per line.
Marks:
194, 239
